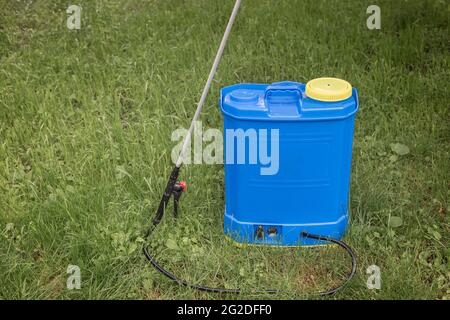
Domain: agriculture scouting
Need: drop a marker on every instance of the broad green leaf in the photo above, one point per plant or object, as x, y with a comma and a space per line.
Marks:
434, 233
400, 149
171, 244
132, 248
395, 222
393, 158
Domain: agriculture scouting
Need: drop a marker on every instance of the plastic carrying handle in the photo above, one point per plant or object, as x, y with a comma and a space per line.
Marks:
283, 100
282, 90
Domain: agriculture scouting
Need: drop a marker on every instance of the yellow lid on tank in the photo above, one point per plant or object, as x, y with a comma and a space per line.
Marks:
328, 89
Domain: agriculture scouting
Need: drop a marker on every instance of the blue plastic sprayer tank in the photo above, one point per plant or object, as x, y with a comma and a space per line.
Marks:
287, 152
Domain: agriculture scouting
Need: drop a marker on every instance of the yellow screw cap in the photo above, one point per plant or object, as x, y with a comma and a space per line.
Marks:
328, 89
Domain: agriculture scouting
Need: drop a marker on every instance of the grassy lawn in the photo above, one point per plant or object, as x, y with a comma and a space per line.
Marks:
86, 118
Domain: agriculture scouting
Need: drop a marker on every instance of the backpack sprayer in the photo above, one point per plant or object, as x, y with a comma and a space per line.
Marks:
303, 199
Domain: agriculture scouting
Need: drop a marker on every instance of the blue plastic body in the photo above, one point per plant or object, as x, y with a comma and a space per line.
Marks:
309, 189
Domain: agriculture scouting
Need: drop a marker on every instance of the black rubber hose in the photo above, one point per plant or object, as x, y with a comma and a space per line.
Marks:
182, 282
161, 209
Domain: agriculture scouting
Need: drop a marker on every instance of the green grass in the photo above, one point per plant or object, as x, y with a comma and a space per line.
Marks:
86, 118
